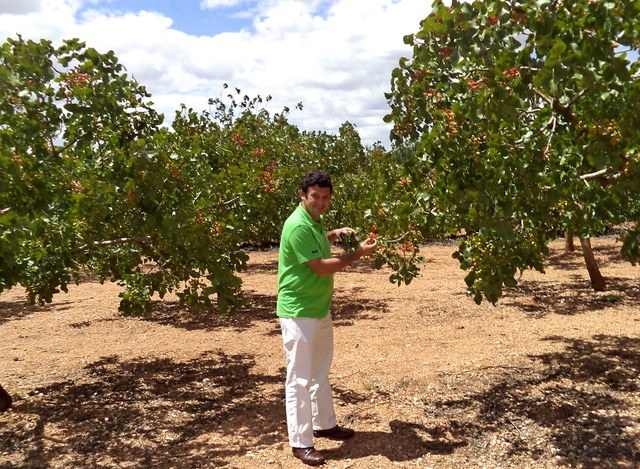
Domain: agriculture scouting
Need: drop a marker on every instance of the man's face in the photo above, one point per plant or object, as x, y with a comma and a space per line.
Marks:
316, 200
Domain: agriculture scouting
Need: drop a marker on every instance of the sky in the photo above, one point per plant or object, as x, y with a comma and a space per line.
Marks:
333, 56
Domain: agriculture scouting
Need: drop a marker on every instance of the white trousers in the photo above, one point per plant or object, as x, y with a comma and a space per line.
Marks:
308, 349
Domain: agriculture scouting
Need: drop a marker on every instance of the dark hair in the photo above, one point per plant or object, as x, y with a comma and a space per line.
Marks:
316, 178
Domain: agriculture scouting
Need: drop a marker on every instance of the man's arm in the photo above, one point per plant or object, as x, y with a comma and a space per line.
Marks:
324, 267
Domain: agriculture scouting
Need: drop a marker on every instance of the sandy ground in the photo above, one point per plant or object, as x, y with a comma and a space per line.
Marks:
547, 378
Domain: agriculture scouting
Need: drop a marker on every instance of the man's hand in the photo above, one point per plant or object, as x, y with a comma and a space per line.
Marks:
368, 246
339, 234
332, 265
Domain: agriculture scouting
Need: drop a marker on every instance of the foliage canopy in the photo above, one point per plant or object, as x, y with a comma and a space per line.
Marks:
93, 183
523, 119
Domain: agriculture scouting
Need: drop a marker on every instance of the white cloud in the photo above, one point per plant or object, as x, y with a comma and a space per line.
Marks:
335, 57
46, 19
15, 7
219, 3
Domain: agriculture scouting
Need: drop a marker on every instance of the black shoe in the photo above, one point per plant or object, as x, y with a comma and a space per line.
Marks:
336, 433
308, 456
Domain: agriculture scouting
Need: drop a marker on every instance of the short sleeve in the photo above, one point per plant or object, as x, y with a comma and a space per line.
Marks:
305, 245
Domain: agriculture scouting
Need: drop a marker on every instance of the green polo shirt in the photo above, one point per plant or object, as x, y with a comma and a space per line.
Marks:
301, 292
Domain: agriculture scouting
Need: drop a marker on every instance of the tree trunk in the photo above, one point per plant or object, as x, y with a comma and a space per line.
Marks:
568, 242
5, 399
597, 280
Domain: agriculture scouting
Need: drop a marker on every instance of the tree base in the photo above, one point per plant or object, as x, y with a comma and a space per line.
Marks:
597, 280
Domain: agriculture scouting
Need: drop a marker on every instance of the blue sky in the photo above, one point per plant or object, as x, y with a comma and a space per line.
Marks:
188, 16
334, 56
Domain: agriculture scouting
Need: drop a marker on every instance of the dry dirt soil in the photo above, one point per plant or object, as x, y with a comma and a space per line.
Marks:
428, 379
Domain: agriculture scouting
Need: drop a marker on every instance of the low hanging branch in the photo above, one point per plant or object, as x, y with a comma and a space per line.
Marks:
601, 177
594, 175
114, 242
400, 238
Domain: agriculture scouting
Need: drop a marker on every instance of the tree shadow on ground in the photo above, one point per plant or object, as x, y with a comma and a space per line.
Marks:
15, 310
405, 441
260, 308
575, 295
21, 309
160, 412
263, 267
148, 413
574, 260
580, 398
346, 309
570, 298
206, 411
363, 267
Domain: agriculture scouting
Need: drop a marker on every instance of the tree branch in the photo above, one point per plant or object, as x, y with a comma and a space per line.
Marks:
549, 124
576, 98
471, 71
397, 240
58, 151
553, 131
594, 175
230, 201
542, 95
114, 242
564, 111
5, 210
599, 176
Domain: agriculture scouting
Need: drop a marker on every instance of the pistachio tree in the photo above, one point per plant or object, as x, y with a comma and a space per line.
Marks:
89, 185
92, 183
523, 121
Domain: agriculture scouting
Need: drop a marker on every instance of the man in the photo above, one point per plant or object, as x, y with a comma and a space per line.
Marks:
305, 292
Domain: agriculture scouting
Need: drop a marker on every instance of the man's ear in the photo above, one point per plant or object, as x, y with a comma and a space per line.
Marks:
302, 194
